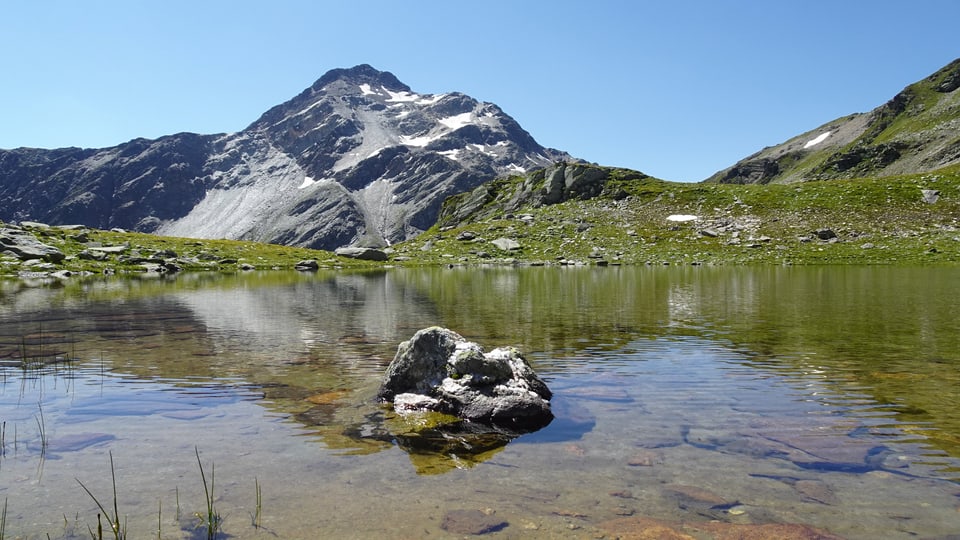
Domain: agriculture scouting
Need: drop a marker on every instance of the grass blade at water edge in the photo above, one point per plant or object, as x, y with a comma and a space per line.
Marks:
212, 520
118, 534
3, 519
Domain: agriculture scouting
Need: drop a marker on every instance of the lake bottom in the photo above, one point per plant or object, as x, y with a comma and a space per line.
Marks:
672, 432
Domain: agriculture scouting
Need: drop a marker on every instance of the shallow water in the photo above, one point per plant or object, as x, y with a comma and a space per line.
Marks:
822, 396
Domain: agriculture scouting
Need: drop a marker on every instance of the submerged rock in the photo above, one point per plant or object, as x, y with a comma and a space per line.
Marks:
475, 522
438, 370
638, 528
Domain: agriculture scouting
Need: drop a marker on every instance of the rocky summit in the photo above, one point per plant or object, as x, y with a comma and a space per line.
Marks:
358, 158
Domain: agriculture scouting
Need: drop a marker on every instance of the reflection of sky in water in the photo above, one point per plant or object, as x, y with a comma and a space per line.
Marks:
276, 383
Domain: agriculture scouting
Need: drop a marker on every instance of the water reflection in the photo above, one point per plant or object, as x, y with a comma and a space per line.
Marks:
803, 385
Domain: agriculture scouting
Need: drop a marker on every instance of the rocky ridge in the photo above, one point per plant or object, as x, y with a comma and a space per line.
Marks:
356, 158
917, 131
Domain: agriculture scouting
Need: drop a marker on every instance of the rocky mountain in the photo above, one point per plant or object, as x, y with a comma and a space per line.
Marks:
356, 158
556, 184
916, 131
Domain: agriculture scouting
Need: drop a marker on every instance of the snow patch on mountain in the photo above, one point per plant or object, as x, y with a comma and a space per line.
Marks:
451, 154
817, 140
458, 121
309, 181
430, 100
421, 141
402, 96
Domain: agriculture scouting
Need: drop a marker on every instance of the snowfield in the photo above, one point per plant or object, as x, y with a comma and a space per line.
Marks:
817, 140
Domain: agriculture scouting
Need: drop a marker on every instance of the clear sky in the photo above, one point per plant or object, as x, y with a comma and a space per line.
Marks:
677, 89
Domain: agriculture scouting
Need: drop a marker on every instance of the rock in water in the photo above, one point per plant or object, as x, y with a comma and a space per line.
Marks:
473, 522
439, 370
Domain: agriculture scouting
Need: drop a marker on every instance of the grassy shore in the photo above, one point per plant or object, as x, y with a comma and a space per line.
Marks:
861, 221
889, 220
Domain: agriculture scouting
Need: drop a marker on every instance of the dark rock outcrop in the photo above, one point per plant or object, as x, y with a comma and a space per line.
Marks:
553, 185
307, 265
759, 171
438, 370
362, 253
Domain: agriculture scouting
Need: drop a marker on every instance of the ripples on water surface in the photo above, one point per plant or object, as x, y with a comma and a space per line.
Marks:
825, 397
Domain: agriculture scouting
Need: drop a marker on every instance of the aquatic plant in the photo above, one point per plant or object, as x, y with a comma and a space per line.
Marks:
118, 532
42, 428
259, 506
3, 519
211, 521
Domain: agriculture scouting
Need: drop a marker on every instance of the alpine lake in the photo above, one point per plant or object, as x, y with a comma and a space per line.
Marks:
686, 399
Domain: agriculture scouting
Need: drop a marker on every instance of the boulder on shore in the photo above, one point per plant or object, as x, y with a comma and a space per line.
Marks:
25, 246
362, 253
438, 370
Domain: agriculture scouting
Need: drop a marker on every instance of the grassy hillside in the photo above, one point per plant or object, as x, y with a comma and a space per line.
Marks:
875, 220
622, 217
918, 130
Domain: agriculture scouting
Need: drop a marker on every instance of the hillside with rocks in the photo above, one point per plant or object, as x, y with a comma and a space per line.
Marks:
917, 131
572, 214
356, 158
576, 214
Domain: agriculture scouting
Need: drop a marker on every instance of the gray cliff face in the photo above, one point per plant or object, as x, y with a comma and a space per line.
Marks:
357, 158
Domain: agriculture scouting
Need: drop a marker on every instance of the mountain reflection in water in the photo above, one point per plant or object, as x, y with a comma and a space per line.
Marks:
789, 394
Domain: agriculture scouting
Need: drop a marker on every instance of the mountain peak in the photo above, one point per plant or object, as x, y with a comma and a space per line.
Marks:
361, 74
357, 158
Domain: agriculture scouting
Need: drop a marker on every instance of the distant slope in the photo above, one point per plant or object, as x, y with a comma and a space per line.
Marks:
357, 158
916, 131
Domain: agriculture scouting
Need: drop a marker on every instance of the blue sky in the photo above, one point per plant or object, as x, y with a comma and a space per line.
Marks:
676, 89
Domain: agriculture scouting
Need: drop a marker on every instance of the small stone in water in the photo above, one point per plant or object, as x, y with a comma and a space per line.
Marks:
574, 450
737, 510
530, 526
815, 491
471, 522
643, 459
